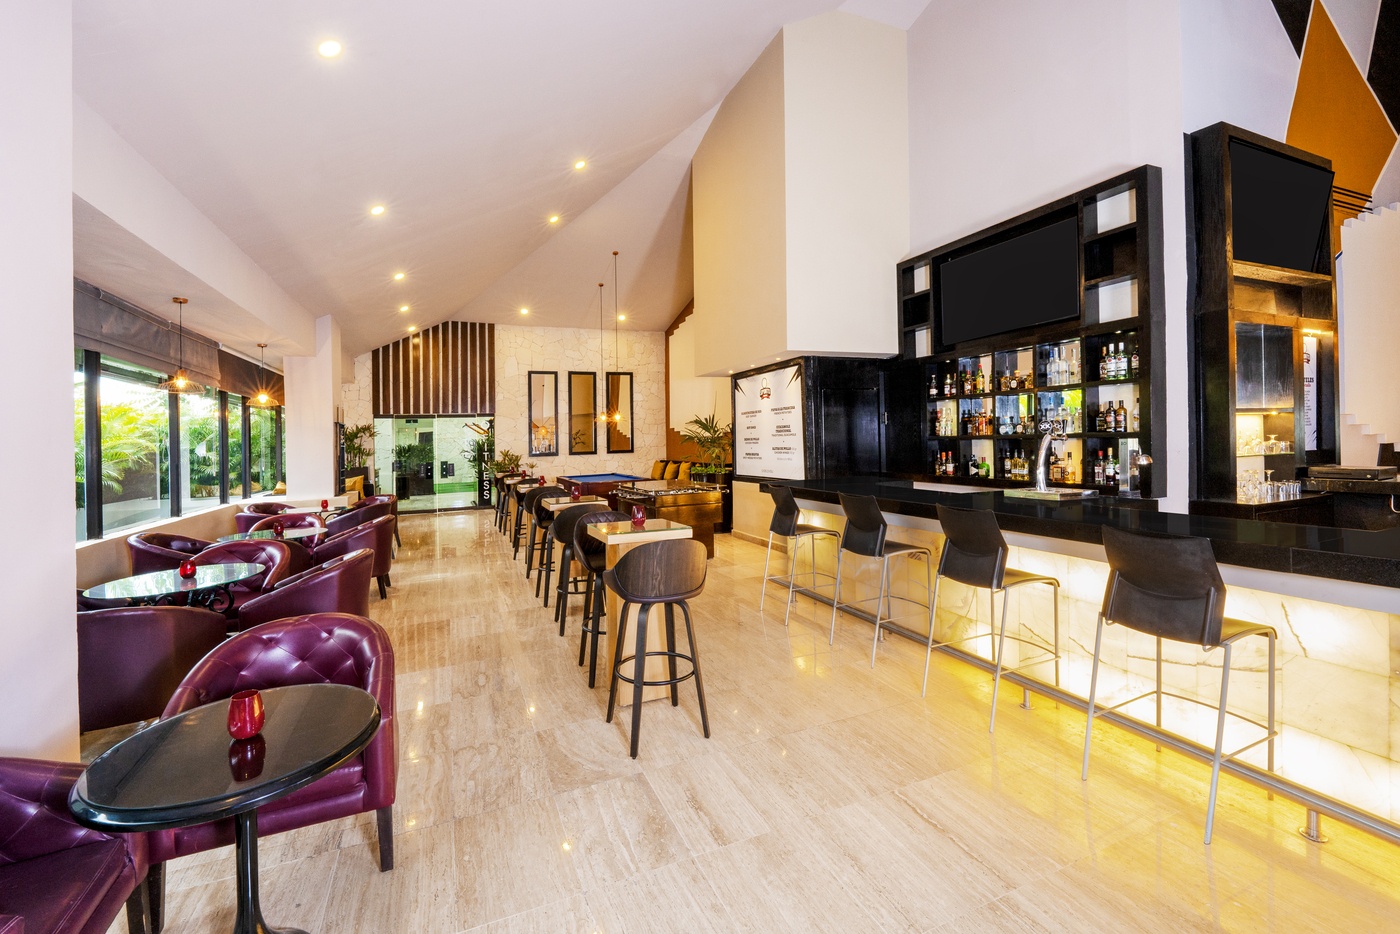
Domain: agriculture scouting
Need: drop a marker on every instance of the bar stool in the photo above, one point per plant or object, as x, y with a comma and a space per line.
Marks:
502, 491
592, 554
541, 518
787, 523
865, 535
974, 553
520, 491
1169, 587
667, 573
562, 531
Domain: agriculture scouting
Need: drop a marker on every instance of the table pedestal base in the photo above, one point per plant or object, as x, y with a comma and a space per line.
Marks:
245, 840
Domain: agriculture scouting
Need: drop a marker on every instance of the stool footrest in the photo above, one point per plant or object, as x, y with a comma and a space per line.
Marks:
660, 682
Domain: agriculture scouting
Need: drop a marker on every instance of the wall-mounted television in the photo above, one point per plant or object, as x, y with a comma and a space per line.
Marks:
1280, 208
1026, 281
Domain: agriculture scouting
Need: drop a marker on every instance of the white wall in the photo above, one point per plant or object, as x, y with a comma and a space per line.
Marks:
313, 390
38, 634
847, 175
739, 226
1368, 300
1238, 66
693, 395
1014, 104
519, 350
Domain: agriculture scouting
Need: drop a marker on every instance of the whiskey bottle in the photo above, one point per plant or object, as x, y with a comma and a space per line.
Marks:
1103, 365
1099, 470
981, 379
1110, 470
1120, 418
1071, 475
1057, 470
1133, 363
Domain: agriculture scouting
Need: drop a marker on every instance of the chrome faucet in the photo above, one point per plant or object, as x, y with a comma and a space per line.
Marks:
1050, 430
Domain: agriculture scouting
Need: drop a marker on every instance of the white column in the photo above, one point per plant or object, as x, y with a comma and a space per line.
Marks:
313, 391
38, 636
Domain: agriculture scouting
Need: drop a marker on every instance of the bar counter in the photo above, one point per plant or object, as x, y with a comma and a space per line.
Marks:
1330, 593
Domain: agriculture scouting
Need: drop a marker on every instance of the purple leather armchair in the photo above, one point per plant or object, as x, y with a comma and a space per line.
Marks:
161, 551
131, 660
341, 585
333, 648
377, 535
393, 502
274, 556
301, 547
55, 874
245, 520
357, 516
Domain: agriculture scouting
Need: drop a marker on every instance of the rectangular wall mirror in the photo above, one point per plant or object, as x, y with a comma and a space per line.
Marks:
583, 412
619, 409
544, 413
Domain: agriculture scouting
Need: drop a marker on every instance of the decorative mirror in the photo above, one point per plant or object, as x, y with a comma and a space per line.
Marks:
543, 406
583, 412
619, 413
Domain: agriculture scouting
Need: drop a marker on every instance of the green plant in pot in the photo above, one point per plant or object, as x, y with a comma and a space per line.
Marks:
507, 461
359, 444
714, 442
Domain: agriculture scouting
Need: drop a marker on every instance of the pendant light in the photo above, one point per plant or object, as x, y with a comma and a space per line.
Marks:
181, 382
602, 349
615, 413
264, 398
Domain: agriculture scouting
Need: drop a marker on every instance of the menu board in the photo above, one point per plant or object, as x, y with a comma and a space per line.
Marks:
769, 440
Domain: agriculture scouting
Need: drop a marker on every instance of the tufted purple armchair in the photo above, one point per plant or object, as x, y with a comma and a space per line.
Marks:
131, 660
341, 585
321, 648
377, 534
55, 874
274, 556
393, 502
161, 551
358, 515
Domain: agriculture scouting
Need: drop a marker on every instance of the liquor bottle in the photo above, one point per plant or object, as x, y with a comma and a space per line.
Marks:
1008, 465
1099, 470
984, 470
1133, 363
981, 379
1071, 475
1103, 365
1110, 470
1098, 419
933, 388
1137, 421
1057, 470
1120, 418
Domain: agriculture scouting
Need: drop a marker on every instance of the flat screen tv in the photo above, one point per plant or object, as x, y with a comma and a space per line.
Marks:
1026, 281
1280, 208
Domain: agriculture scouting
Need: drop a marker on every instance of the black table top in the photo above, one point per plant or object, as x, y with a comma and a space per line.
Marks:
1320, 551
177, 772
164, 583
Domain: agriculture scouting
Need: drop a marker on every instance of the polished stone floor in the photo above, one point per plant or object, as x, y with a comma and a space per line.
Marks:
831, 797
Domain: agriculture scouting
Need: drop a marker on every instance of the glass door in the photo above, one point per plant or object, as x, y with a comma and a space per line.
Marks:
430, 462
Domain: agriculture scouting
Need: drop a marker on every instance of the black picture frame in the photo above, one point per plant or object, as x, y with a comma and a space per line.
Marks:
583, 422
542, 412
618, 389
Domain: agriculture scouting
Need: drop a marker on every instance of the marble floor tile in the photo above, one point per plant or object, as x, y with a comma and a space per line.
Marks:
512, 860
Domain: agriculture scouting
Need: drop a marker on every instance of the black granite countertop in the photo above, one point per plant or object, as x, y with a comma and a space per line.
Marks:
1337, 554
1369, 487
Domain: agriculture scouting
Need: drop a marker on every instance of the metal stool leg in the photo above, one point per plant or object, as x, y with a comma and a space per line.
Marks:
879, 605
793, 544
835, 599
1093, 690
695, 661
932, 615
766, 557
1219, 742
1001, 653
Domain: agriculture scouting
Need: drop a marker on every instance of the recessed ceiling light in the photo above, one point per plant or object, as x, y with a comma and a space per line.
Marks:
622, 317
329, 49
524, 311
403, 308
580, 164
377, 210
412, 328
554, 218
398, 277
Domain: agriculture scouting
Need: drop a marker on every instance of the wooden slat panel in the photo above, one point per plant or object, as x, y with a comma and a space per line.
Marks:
451, 370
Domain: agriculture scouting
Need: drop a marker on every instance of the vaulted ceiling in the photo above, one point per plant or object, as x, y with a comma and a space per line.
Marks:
463, 118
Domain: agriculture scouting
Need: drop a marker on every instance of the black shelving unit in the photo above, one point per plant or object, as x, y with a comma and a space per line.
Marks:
1052, 369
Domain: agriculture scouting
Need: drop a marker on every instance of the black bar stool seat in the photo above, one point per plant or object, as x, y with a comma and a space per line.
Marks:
541, 518
1169, 587
667, 573
523, 506
562, 530
787, 523
592, 554
974, 554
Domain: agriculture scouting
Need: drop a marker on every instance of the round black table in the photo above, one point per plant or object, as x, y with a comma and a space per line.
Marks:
267, 534
187, 770
209, 582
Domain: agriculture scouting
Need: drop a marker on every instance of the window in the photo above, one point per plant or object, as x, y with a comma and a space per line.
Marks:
235, 447
199, 450
134, 418
80, 441
262, 450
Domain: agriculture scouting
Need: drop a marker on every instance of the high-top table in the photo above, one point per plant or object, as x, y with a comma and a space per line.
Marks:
622, 537
187, 770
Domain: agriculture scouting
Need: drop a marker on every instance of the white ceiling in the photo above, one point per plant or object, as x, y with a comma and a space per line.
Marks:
463, 117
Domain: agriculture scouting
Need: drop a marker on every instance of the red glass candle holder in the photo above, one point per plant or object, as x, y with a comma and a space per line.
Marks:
278, 529
188, 569
639, 516
575, 494
245, 714
246, 758
325, 504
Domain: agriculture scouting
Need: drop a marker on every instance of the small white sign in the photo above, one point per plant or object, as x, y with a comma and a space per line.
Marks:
1310, 392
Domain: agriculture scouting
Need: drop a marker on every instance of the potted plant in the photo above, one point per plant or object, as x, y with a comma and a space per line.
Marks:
507, 461
714, 442
358, 443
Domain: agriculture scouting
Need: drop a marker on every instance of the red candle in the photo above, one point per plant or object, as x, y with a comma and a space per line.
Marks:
245, 714
188, 569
